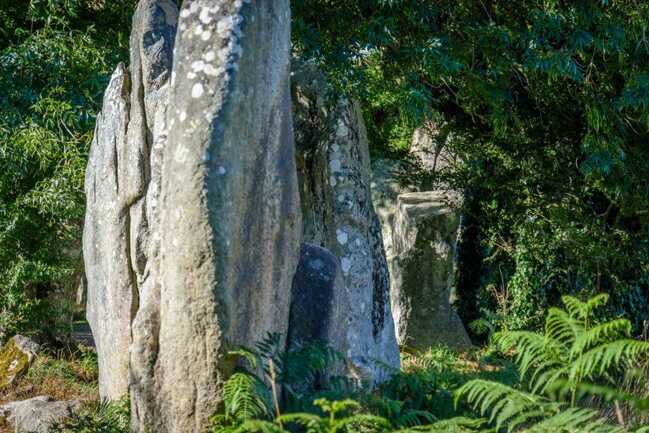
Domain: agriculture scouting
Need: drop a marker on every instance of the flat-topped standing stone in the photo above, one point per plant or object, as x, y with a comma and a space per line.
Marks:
422, 271
389, 180
230, 218
333, 167
122, 185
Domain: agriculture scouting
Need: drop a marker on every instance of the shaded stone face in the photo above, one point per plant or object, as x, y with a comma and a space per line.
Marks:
319, 300
333, 168
121, 244
424, 236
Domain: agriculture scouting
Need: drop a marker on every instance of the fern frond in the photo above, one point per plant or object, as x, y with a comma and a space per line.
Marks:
246, 397
251, 357
412, 418
575, 307
531, 349
310, 422
601, 333
546, 379
361, 422
574, 420
562, 327
603, 357
583, 310
503, 402
596, 302
453, 425
259, 426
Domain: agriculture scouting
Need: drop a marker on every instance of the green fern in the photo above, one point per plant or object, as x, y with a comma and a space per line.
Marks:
455, 425
575, 363
340, 417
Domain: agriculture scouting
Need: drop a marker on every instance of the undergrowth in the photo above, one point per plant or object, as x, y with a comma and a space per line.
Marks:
568, 379
580, 375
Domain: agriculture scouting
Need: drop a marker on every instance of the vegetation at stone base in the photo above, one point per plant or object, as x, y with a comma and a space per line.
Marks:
55, 60
547, 101
569, 379
64, 374
104, 417
580, 375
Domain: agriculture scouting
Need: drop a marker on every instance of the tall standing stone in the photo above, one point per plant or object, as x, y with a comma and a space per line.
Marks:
152, 42
334, 172
230, 218
112, 290
122, 187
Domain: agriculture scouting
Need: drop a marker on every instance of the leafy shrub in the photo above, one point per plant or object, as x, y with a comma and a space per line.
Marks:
55, 60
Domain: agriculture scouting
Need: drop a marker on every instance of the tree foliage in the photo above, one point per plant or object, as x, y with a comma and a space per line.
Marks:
55, 60
553, 98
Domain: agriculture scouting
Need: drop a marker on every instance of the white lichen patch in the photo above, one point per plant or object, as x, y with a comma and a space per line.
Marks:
341, 236
183, 116
222, 170
333, 181
335, 165
205, 15
345, 265
212, 71
198, 66
197, 90
181, 154
209, 56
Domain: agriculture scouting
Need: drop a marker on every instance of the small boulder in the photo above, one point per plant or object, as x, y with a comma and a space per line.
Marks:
15, 358
38, 414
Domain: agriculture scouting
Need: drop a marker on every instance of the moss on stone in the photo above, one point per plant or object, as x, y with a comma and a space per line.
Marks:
13, 363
